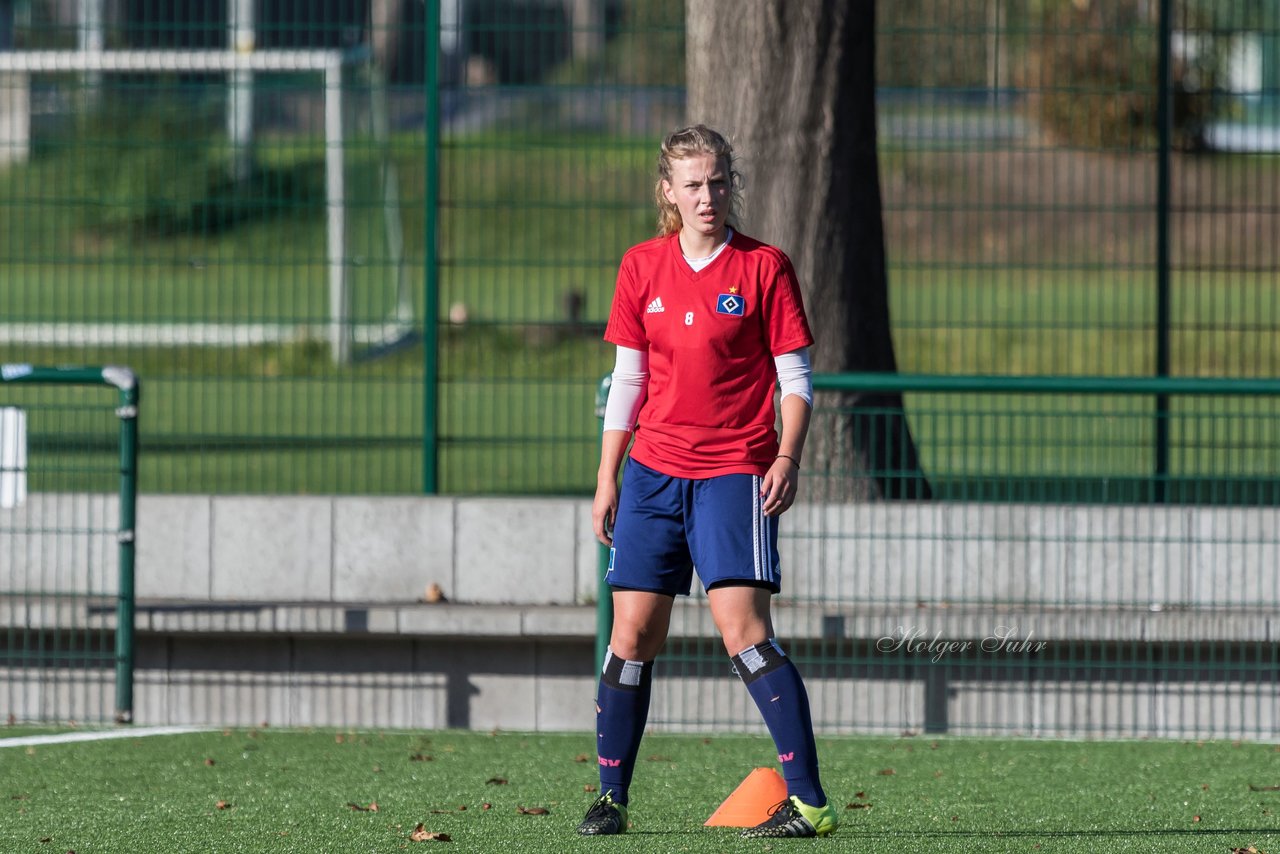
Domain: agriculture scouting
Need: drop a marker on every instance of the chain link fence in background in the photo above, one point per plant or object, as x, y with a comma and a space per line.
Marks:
68, 495
1054, 588
249, 228
369, 248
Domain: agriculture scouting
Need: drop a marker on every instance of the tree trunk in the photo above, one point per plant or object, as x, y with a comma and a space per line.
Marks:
793, 86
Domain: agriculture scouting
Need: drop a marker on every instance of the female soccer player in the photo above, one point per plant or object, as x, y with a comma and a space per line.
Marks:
706, 321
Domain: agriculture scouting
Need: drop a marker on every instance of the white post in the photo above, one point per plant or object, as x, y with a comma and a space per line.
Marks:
335, 198
90, 39
15, 117
13, 457
241, 37
996, 54
586, 18
450, 25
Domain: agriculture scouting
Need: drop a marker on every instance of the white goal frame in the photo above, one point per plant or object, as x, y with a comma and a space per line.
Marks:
331, 65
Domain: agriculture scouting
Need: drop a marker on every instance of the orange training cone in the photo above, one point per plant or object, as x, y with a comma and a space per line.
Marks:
750, 803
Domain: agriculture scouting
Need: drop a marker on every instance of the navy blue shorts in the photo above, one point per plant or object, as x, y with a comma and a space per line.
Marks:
667, 526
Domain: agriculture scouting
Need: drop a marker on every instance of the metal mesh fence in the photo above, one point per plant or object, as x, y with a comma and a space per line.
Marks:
1047, 594
548, 139
227, 197
1044, 216
368, 247
68, 485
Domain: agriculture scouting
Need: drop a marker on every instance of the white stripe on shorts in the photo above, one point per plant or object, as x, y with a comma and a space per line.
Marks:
760, 527
756, 516
766, 555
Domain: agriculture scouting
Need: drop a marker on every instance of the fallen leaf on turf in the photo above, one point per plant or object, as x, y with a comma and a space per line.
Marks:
209, 762
373, 807
1254, 788
421, 834
533, 811
486, 806
857, 806
887, 772
421, 757
1195, 818
862, 796
496, 781
589, 788
582, 757
224, 805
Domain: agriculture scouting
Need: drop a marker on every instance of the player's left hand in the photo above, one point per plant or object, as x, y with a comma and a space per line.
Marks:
778, 489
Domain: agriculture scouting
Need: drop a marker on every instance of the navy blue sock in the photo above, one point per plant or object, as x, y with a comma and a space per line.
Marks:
622, 709
776, 686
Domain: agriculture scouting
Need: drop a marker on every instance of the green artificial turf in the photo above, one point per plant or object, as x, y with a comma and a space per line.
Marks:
283, 791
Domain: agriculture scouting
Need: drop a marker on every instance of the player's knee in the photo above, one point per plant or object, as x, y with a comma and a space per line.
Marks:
637, 641
742, 629
738, 637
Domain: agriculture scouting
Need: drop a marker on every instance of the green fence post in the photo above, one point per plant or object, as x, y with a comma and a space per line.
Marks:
127, 382
604, 596
431, 257
1164, 204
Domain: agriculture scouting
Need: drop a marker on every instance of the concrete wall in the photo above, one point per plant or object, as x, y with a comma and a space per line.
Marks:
345, 549
542, 551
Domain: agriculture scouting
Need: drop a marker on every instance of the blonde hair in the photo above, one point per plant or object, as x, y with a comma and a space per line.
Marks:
688, 142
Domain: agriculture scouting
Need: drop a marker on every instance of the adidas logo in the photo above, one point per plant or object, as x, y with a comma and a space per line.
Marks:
655, 307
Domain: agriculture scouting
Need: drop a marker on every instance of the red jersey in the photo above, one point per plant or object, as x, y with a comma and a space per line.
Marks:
711, 337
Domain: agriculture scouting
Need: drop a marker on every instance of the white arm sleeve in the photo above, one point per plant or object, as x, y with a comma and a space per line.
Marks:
626, 389
795, 376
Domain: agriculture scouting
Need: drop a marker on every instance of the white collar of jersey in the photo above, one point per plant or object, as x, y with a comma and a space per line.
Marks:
699, 263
